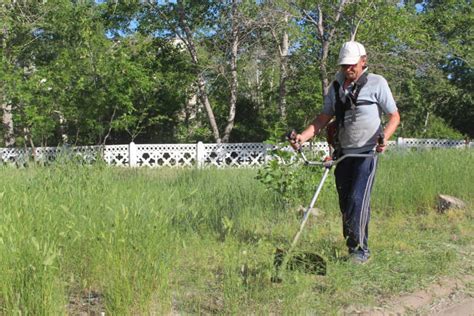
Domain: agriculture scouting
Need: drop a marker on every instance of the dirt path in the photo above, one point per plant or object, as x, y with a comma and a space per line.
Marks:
466, 307
446, 297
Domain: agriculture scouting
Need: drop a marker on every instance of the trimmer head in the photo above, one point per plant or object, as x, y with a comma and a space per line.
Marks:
307, 262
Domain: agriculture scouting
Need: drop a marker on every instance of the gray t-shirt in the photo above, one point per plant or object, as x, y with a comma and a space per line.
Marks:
360, 132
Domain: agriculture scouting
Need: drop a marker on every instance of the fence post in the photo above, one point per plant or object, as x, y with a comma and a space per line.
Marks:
132, 154
400, 142
200, 155
267, 149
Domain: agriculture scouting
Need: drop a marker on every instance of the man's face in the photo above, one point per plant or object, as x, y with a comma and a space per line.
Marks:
352, 72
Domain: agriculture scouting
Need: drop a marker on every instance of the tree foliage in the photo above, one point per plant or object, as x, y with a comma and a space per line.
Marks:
96, 72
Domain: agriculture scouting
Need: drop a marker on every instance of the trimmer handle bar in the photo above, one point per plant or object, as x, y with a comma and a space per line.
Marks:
330, 162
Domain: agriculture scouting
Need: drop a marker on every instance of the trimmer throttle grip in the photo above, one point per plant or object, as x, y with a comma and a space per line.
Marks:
380, 143
380, 139
291, 135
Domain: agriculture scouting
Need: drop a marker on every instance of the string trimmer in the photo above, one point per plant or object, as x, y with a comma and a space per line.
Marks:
310, 262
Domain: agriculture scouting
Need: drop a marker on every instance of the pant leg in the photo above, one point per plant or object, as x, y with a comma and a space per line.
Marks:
354, 181
343, 175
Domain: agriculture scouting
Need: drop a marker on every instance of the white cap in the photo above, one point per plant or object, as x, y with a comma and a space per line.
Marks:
350, 53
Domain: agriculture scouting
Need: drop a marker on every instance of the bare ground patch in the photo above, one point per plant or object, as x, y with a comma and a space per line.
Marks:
86, 303
448, 296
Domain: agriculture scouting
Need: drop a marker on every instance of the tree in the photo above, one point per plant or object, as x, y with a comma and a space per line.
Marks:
17, 23
324, 17
107, 72
451, 25
6, 107
276, 19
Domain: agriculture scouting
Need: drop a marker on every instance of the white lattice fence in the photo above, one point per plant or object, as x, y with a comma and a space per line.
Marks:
117, 155
185, 155
431, 143
317, 147
234, 155
85, 154
15, 155
170, 155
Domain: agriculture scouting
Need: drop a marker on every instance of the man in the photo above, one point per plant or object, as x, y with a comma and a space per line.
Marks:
356, 99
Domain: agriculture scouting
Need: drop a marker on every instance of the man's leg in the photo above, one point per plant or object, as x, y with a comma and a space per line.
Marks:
343, 175
354, 180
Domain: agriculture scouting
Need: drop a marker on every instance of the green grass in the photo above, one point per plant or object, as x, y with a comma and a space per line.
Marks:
140, 241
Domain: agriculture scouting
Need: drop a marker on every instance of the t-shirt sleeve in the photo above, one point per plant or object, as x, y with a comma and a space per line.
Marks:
385, 98
329, 101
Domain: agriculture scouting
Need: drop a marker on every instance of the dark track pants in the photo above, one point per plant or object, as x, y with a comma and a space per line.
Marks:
354, 180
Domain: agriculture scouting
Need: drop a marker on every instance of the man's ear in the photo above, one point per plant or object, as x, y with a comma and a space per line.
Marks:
364, 61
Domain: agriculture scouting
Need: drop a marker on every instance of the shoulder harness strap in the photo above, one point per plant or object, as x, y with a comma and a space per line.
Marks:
351, 100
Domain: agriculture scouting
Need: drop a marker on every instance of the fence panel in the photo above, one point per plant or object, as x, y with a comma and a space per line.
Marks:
161, 155
235, 154
117, 155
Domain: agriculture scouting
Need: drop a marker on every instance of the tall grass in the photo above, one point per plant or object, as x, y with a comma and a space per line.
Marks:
139, 241
409, 180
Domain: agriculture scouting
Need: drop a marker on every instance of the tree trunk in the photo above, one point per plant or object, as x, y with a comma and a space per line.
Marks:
283, 70
201, 80
207, 105
233, 73
258, 81
425, 126
356, 24
7, 120
323, 72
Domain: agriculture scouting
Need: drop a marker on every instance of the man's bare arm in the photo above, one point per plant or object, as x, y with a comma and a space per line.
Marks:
390, 128
314, 128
